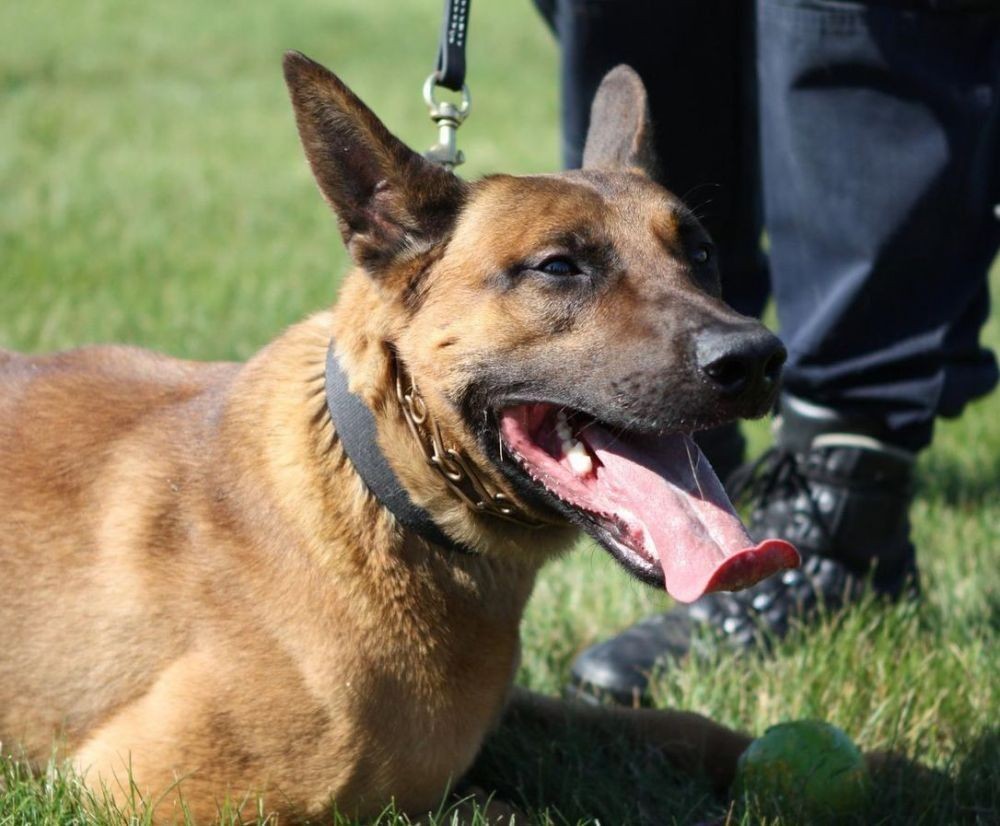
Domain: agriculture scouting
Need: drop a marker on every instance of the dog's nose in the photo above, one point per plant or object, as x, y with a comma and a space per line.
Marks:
741, 360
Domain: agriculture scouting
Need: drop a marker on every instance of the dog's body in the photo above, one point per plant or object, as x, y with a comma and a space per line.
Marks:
191, 597
200, 591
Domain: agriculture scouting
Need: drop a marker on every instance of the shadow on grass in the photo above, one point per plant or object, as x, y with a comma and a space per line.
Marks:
977, 781
966, 792
581, 777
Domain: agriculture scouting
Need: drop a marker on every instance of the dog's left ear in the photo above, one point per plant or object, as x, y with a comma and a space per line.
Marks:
390, 202
621, 132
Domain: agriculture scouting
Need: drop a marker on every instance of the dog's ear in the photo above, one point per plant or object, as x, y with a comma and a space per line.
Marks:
621, 132
390, 202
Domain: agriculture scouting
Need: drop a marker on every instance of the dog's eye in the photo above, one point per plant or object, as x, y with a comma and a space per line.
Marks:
703, 253
558, 265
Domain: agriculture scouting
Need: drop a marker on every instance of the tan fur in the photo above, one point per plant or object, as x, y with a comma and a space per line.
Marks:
203, 588
200, 593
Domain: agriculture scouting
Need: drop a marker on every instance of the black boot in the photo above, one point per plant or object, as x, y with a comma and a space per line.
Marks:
831, 487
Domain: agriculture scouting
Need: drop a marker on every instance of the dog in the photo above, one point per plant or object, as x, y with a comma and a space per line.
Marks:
300, 579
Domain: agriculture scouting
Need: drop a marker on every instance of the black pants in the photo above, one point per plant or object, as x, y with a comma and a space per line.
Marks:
865, 138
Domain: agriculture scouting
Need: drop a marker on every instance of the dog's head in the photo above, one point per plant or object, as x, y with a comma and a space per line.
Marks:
566, 331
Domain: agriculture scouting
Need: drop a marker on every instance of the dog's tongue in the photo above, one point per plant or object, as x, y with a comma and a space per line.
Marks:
660, 497
666, 489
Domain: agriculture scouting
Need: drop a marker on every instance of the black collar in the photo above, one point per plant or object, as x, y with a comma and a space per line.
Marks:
356, 430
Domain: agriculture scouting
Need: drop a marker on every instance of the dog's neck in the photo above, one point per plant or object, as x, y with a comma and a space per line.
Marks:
356, 428
358, 434
444, 474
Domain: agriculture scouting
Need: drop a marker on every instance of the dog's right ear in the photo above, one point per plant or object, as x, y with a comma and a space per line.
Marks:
621, 130
390, 202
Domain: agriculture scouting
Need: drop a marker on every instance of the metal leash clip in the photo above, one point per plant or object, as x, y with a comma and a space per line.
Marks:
447, 117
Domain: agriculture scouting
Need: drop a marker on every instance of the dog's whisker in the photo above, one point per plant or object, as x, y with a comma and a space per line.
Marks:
693, 462
701, 210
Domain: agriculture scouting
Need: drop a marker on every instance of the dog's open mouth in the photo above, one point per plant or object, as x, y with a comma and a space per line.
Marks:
653, 501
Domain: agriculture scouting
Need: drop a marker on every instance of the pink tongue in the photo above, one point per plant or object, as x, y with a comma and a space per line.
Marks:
669, 495
662, 495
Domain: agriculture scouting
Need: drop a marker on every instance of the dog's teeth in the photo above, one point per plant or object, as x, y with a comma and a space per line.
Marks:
579, 460
562, 427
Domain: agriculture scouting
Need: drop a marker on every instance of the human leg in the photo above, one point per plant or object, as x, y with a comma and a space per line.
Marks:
880, 132
880, 147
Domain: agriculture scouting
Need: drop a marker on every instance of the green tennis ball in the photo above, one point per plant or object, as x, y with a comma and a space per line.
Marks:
807, 766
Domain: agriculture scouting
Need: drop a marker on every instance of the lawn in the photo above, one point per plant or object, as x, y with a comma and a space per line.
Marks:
154, 192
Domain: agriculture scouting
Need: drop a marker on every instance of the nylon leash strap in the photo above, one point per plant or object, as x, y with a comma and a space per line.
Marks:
450, 71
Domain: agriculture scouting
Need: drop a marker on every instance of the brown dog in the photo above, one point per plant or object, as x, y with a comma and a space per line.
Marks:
201, 589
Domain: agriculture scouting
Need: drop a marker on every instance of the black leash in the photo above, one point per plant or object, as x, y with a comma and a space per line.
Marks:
450, 71
355, 427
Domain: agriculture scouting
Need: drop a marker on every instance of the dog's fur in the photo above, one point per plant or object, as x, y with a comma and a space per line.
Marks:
199, 589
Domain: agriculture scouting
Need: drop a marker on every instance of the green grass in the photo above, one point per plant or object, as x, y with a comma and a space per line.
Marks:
154, 192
